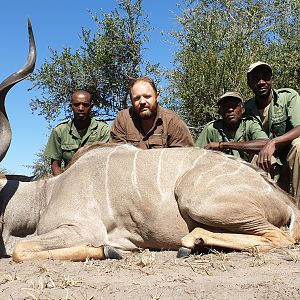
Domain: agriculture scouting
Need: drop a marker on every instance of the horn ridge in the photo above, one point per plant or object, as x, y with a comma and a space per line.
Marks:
6, 85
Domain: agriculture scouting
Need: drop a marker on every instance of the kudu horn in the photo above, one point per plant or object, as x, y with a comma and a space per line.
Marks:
6, 85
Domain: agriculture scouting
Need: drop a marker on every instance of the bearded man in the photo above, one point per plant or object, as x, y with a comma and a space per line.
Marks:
146, 124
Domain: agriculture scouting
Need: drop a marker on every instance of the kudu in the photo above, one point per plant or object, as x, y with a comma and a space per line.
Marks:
118, 197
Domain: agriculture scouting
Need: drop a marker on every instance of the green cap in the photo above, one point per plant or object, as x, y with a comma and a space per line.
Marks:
259, 64
235, 95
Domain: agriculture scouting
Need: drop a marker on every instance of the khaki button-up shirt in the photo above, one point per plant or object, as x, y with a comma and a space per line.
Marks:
283, 115
168, 130
65, 140
248, 130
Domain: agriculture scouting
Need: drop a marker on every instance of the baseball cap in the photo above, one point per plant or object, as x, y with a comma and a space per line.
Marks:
258, 64
236, 95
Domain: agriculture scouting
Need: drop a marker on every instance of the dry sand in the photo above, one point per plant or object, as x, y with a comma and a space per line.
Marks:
158, 275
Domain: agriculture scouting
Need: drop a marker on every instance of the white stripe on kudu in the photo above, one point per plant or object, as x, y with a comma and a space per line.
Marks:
157, 199
134, 178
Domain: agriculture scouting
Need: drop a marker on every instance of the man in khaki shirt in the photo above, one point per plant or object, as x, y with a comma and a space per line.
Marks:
146, 124
278, 111
70, 135
233, 134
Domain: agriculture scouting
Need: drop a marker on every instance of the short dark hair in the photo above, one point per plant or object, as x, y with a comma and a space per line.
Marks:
145, 79
87, 93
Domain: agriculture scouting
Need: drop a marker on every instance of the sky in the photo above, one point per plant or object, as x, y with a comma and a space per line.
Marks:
57, 24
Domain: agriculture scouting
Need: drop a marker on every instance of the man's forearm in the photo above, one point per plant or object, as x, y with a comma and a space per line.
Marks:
287, 138
251, 146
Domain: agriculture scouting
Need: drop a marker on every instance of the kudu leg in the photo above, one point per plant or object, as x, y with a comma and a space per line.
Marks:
28, 251
243, 242
53, 245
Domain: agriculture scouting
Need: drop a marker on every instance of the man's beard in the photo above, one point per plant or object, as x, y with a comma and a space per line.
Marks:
148, 114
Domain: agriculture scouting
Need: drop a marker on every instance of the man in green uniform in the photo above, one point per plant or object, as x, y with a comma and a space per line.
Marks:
68, 136
232, 133
278, 111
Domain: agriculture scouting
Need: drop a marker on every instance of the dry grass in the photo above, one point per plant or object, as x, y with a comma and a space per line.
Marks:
158, 275
6, 277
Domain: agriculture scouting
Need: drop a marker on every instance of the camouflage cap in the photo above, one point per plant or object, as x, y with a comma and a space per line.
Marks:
258, 64
235, 95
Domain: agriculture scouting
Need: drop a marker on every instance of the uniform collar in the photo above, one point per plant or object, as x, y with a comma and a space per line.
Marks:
73, 130
239, 133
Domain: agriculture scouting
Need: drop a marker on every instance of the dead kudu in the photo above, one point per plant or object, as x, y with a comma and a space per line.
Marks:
116, 198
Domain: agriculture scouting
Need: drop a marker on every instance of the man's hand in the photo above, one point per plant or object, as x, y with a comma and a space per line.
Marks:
56, 167
265, 155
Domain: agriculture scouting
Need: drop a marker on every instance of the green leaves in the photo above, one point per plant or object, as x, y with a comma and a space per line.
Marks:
104, 65
218, 42
41, 166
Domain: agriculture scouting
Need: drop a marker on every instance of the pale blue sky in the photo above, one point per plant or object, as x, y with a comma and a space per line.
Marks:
57, 24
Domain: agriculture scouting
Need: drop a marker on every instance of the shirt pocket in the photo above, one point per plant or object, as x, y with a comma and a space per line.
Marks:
279, 124
133, 139
157, 140
93, 137
68, 150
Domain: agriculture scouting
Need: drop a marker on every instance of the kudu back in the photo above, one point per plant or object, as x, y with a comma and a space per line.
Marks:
118, 197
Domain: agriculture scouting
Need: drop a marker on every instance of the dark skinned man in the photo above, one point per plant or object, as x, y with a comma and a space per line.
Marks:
278, 111
232, 133
68, 136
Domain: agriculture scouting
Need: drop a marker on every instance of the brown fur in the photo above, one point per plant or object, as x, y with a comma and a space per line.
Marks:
127, 198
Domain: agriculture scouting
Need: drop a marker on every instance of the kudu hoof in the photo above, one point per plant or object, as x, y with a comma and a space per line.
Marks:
111, 253
183, 252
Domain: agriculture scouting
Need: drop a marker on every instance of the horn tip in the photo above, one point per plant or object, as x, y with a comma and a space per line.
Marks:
29, 24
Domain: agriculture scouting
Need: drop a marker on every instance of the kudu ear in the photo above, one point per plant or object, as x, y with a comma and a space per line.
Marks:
6, 85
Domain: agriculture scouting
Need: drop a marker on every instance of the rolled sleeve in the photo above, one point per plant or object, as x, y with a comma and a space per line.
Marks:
104, 131
208, 135
256, 131
202, 140
53, 148
294, 109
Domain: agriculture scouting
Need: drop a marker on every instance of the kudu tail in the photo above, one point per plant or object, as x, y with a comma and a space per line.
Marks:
6, 85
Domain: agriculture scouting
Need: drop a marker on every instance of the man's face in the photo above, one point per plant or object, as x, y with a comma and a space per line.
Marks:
231, 110
81, 106
144, 99
260, 81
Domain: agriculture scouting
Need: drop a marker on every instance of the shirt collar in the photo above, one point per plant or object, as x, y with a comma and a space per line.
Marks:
74, 131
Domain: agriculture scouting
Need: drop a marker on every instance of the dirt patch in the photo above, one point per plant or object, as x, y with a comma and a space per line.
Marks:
158, 275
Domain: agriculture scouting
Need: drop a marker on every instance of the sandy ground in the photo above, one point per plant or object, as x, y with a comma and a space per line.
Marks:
158, 275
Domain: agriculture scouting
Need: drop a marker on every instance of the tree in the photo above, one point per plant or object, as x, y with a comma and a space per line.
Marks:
218, 40
41, 166
104, 65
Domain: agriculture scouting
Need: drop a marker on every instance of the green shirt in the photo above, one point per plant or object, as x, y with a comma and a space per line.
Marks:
215, 131
283, 114
65, 140
284, 111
